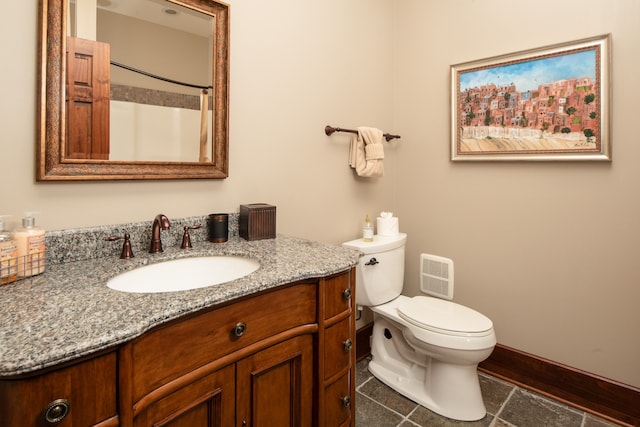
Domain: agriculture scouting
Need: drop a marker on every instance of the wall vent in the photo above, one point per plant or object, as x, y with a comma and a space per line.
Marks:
436, 276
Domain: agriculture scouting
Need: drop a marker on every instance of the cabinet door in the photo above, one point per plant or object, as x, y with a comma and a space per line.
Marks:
275, 385
79, 395
207, 402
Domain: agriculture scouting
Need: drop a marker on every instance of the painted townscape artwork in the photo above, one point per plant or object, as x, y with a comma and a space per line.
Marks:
544, 103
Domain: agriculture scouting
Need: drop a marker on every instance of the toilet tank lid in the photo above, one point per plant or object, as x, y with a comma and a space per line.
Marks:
379, 244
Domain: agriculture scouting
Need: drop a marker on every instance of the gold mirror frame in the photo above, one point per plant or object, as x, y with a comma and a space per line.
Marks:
50, 163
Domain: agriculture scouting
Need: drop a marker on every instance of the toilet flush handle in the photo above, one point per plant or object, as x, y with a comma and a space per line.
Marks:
372, 261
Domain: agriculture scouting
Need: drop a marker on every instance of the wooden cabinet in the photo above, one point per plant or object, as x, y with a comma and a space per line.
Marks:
240, 364
271, 387
337, 356
161, 359
83, 394
284, 357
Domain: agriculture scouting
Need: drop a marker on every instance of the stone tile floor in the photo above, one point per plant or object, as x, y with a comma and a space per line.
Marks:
377, 405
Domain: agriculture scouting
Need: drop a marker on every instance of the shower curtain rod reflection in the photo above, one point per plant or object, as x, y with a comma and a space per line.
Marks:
330, 130
154, 76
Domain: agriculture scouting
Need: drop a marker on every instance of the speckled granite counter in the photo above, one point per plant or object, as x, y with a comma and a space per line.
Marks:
69, 312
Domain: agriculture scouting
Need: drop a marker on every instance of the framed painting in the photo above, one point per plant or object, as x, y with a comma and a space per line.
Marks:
550, 103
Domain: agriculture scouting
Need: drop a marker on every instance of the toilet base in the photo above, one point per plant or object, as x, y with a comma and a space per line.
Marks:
451, 390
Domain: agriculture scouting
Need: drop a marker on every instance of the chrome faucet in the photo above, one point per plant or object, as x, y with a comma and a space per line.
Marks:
161, 222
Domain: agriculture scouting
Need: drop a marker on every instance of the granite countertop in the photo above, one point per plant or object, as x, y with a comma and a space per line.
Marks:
68, 311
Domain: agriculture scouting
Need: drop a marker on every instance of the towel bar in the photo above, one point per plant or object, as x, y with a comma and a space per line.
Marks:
330, 130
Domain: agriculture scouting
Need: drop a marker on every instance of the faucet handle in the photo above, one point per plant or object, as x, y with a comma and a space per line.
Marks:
186, 238
127, 252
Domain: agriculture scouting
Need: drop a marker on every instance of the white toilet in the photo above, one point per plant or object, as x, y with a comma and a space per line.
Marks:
426, 348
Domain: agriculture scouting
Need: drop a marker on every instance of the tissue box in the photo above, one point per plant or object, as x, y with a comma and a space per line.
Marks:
257, 221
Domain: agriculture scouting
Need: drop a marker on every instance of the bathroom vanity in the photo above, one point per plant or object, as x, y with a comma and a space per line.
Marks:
273, 348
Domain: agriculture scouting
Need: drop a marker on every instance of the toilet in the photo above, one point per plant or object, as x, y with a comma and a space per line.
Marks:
425, 348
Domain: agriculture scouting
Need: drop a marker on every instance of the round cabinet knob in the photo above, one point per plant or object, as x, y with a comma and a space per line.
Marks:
56, 411
347, 345
240, 329
346, 401
346, 294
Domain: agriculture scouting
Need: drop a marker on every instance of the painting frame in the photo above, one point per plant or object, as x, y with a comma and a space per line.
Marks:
564, 119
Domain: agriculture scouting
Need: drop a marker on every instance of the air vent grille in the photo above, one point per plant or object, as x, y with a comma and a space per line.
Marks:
436, 276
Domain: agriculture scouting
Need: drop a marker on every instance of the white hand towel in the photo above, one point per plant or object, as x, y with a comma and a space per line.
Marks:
366, 153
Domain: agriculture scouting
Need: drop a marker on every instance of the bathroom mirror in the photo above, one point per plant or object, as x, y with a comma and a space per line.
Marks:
76, 136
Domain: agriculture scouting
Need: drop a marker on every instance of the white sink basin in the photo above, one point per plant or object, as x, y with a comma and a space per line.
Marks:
183, 274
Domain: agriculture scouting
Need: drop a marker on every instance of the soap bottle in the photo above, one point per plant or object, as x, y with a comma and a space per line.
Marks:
8, 255
31, 247
367, 230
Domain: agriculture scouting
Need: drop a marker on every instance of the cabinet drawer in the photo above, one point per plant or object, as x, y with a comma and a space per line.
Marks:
81, 395
339, 294
170, 351
338, 403
338, 348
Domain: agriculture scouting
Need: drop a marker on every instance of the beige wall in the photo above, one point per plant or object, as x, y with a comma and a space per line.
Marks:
295, 67
155, 49
548, 251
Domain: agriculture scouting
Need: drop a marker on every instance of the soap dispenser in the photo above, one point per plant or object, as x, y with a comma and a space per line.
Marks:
8, 255
30, 241
367, 230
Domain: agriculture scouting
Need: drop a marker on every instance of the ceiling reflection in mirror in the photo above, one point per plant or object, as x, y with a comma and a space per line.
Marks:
160, 107
144, 88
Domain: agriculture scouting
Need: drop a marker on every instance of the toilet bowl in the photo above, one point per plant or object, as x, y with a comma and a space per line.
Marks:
425, 348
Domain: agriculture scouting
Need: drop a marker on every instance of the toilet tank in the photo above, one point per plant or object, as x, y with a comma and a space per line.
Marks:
380, 271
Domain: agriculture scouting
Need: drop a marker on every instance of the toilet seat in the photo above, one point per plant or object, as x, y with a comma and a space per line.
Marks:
444, 317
